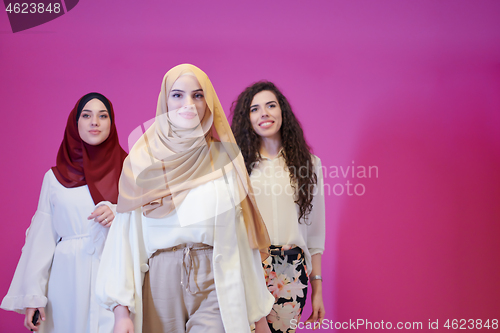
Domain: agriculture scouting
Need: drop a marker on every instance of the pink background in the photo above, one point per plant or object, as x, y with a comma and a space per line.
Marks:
412, 87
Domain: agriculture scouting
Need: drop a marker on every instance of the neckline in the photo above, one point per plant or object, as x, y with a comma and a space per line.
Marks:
280, 153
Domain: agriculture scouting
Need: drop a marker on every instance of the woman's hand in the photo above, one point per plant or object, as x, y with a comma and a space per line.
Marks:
261, 326
318, 308
123, 323
29, 317
102, 215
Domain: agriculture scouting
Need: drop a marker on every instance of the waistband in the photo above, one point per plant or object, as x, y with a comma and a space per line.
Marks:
187, 261
74, 237
190, 246
284, 250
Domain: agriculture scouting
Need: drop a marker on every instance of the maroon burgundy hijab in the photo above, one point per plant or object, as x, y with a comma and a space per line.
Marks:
99, 167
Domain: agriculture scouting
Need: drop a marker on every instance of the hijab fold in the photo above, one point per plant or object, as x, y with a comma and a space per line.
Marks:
167, 161
79, 163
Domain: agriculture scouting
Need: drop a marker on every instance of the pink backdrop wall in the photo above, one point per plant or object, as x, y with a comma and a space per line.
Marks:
412, 88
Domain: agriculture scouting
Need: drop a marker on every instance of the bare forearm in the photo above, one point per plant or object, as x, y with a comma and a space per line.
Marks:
317, 286
318, 308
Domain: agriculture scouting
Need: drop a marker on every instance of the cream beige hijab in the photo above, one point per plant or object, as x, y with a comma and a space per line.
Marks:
166, 162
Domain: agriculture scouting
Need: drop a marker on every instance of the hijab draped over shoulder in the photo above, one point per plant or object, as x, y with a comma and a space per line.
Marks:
167, 161
79, 163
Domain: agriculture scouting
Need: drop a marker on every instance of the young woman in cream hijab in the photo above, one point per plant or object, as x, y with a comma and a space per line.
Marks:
183, 252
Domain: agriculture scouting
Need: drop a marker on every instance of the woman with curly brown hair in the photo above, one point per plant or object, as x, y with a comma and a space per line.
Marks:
288, 186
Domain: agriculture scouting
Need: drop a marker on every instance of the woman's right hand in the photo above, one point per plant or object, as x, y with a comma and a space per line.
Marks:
123, 323
261, 326
102, 215
29, 317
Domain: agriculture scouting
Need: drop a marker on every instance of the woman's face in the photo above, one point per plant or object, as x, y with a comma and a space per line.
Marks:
186, 102
265, 114
94, 123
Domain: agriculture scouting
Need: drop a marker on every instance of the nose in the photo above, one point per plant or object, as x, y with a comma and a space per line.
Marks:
188, 101
95, 120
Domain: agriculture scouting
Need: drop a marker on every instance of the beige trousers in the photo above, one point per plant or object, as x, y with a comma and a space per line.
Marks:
179, 292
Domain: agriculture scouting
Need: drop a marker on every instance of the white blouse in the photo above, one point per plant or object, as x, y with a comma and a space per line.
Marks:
192, 221
58, 265
275, 199
209, 213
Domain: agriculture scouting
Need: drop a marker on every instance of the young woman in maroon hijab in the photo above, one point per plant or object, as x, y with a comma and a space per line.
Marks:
57, 269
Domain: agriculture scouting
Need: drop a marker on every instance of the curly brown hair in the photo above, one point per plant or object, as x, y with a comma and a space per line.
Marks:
297, 152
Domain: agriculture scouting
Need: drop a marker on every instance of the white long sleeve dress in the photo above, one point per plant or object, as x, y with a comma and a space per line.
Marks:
239, 280
58, 265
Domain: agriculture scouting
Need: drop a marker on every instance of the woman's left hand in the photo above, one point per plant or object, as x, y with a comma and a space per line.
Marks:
102, 215
318, 309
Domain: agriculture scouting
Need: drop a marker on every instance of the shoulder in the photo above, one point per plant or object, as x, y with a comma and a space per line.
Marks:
50, 180
49, 177
48, 184
316, 160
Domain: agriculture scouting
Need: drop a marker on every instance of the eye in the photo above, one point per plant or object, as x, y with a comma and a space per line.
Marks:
253, 109
198, 95
272, 106
176, 95
104, 116
85, 115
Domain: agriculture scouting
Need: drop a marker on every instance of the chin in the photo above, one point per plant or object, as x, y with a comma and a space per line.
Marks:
94, 142
189, 125
268, 134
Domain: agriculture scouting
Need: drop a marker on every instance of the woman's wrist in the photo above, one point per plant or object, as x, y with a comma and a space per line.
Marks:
121, 311
317, 292
317, 286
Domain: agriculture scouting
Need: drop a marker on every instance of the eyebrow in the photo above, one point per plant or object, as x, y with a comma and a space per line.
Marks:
255, 105
85, 110
184, 91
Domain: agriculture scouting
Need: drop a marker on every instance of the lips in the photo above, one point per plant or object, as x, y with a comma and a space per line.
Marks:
266, 124
95, 132
187, 115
